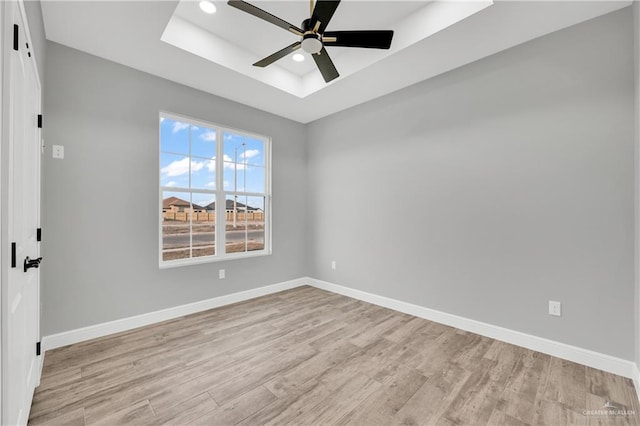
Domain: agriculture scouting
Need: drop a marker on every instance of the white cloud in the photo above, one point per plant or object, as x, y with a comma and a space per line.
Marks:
161, 119
228, 164
231, 166
171, 183
209, 136
181, 167
197, 166
250, 153
211, 184
178, 126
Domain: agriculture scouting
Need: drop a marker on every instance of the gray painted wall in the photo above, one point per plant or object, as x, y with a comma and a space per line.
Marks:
100, 226
492, 189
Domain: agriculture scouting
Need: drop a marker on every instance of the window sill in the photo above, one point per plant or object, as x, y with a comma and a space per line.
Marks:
211, 259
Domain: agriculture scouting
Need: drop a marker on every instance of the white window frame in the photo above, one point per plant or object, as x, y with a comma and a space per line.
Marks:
220, 194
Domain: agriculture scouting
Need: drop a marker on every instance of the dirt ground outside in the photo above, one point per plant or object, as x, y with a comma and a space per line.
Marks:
176, 244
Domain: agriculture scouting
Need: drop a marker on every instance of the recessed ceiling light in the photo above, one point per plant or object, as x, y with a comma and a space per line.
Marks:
298, 57
207, 6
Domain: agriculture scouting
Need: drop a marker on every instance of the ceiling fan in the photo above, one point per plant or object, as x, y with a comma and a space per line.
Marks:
314, 38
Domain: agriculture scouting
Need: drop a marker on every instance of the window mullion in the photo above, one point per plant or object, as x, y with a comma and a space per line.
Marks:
248, 194
190, 199
267, 197
220, 201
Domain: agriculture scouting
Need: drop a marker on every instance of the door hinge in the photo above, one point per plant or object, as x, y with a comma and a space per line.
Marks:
13, 255
16, 30
39, 234
38, 349
39, 121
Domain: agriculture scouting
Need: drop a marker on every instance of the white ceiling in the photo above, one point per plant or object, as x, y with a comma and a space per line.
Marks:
214, 53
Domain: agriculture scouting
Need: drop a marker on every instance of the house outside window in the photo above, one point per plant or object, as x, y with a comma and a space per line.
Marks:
214, 192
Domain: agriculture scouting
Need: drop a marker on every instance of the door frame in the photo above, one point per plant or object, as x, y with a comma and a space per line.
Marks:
6, 36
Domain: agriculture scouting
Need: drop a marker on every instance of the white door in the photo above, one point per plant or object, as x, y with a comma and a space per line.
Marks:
21, 152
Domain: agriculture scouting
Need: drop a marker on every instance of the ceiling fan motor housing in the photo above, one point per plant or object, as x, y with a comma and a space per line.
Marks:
306, 25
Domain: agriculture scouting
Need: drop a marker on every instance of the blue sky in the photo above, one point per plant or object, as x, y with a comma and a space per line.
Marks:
177, 138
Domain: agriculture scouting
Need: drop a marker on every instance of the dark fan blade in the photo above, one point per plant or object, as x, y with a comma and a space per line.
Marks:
369, 39
325, 65
279, 54
259, 13
323, 11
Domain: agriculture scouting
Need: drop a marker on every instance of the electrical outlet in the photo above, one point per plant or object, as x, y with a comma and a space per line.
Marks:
221, 274
58, 151
333, 265
555, 308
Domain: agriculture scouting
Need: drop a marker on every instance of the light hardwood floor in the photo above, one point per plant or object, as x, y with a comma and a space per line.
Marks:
306, 356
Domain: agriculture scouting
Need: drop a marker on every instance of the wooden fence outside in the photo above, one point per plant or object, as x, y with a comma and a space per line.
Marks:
211, 217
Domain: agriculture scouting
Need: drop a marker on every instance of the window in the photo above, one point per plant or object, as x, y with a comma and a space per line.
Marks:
214, 192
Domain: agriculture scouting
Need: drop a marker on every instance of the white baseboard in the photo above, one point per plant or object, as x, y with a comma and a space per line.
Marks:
99, 330
40, 364
636, 379
587, 357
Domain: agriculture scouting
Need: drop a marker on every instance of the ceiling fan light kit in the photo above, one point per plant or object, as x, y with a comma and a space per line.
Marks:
314, 38
311, 43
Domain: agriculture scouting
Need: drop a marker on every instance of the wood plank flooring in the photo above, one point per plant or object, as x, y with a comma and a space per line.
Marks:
309, 357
